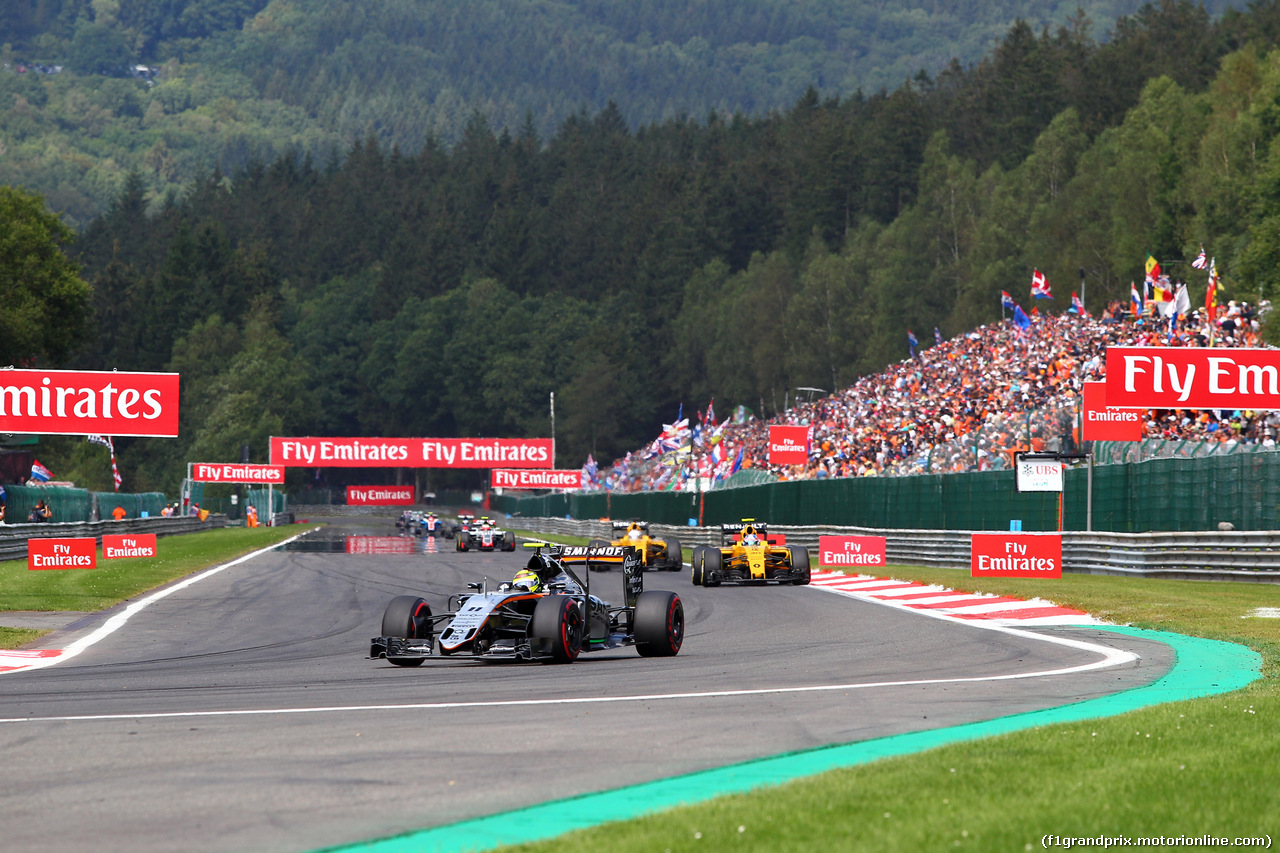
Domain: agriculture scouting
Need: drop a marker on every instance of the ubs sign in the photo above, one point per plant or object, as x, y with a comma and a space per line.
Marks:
1039, 475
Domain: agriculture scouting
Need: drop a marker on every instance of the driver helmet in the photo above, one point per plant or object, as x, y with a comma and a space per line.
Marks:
634, 533
750, 538
528, 580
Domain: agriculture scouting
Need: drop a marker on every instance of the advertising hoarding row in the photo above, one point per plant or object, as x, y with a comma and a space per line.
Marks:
82, 552
314, 452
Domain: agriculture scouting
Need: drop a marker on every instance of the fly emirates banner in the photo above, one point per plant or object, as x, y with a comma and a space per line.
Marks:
88, 402
411, 452
1193, 378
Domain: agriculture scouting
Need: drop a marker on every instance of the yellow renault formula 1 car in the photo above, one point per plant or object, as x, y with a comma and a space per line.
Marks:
746, 556
655, 554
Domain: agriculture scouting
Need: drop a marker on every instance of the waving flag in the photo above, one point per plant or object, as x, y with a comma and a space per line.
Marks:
1153, 268
937, 336
677, 430
1181, 301
912, 343
1040, 285
737, 462
1006, 301
1211, 295
1163, 291
1201, 262
711, 412
1136, 298
1020, 318
1077, 306
39, 472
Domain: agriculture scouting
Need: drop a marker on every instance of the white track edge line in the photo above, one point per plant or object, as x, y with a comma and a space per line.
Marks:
1110, 658
117, 621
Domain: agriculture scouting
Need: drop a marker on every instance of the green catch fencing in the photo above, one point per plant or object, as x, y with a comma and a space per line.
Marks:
134, 505
70, 504
218, 499
1163, 494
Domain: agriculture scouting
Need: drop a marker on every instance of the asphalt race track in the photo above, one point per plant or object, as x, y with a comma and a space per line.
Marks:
241, 713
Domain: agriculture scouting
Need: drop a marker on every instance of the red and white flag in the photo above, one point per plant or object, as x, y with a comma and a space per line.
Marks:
1039, 286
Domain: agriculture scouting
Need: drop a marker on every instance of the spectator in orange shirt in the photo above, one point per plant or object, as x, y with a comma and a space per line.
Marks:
118, 513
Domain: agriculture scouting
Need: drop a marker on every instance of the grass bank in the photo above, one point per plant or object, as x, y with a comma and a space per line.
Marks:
1198, 767
114, 581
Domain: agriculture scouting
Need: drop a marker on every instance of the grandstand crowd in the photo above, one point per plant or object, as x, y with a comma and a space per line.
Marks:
966, 404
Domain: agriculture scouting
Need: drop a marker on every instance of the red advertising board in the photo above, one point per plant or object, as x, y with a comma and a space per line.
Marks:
236, 472
1102, 423
379, 495
521, 479
788, 445
842, 551
1021, 555
411, 452
128, 545
380, 545
1193, 378
72, 402
62, 553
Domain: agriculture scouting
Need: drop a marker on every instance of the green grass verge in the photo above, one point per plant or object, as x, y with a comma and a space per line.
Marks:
563, 540
1196, 767
114, 581
12, 638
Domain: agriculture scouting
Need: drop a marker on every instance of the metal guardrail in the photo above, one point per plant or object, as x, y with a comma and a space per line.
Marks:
13, 537
1210, 555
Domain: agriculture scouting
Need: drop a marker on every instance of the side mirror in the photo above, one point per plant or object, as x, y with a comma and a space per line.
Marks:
475, 586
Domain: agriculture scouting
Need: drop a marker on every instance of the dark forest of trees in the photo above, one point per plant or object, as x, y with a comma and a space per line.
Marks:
449, 290
171, 88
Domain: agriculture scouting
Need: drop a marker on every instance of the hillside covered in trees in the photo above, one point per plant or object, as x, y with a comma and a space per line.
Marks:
93, 89
450, 290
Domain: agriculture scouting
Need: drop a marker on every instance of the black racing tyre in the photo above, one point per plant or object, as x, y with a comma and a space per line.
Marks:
712, 563
410, 617
508, 541
800, 565
675, 555
559, 619
461, 543
659, 624
406, 616
695, 565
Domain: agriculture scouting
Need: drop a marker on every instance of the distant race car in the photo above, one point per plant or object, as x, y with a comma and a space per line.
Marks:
555, 621
484, 535
408, 520
746, 556
657, 553
431, 524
